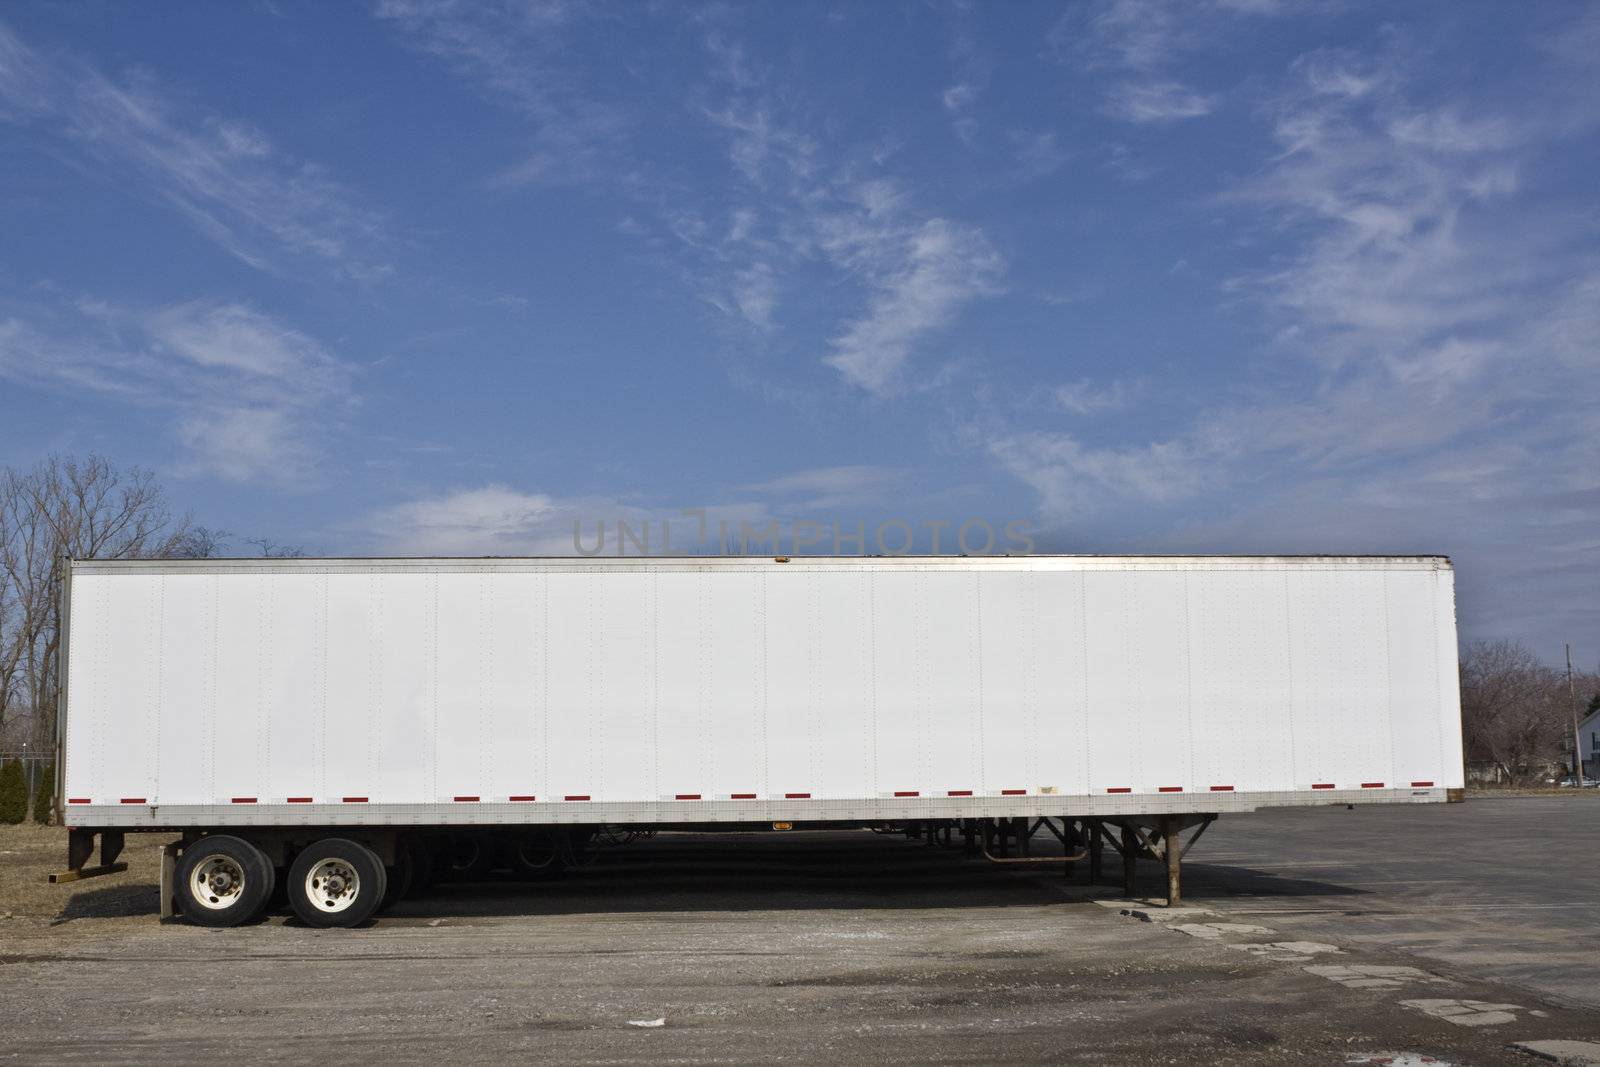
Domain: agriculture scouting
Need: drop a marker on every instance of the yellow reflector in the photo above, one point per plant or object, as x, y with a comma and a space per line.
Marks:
783, 826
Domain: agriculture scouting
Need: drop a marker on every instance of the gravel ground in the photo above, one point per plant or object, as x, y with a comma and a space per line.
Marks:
845, 947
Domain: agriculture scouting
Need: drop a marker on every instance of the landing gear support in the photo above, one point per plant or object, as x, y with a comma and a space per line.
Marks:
1160, 839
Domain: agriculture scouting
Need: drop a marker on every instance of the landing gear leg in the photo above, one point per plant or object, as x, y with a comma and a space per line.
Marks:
1130, 859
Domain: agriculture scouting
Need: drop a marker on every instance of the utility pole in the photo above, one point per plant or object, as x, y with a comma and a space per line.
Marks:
1577, 740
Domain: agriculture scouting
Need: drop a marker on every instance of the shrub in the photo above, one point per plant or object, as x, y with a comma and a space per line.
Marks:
13, 793
44, 794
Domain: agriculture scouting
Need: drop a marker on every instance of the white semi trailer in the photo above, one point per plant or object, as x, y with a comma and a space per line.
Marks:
336, 725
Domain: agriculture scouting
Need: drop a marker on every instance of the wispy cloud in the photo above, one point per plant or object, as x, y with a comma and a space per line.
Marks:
1143, 35
500, 520
224, 176
944, 267
488, 520
1039, 152
827, 487
1386, 190
515, 52
1085, 397
764, 151
1130, 33
1156, 102
959, 101
1074, 480
795, 207
1139, 41
250, 399
1433, 325
791, 204
490, 42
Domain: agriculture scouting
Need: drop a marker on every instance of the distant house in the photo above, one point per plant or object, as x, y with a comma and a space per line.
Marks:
1589, 744
1487, 772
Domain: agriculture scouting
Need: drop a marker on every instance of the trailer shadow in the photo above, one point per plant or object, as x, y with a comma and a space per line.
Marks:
1215, 882
111, 902
734, 872
779, 872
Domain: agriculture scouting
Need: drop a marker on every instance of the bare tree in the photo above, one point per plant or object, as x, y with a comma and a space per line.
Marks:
13, 595
64, 507
272, 550
202, 542
1513, 712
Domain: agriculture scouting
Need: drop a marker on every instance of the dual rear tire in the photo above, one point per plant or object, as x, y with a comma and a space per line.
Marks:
336, 882
224, 880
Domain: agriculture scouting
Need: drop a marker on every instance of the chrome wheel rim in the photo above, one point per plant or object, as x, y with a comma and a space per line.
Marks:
332, 885
217, 882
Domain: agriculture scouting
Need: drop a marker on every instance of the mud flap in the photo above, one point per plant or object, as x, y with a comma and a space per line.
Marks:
169, 876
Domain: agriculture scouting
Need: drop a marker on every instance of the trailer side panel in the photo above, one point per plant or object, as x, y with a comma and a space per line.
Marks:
697, 690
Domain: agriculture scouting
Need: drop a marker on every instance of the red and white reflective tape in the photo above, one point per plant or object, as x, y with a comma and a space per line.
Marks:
899, 794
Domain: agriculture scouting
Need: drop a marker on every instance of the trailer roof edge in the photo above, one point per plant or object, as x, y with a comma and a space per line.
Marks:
1003, 562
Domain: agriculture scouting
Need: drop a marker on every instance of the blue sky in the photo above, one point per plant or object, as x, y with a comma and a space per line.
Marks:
1239, 276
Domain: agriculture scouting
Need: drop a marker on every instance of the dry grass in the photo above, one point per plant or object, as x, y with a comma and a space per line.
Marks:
28, 853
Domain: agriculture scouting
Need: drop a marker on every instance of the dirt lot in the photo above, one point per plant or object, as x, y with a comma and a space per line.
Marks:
1318, 936
30, 906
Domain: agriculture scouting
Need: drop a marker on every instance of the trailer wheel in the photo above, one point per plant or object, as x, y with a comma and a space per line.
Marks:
533, 855
336, 882
420, 857
580, 846
468, 857
223, 881
397, 878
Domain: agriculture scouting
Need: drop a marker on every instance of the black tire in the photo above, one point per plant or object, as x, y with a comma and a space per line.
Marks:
397, 878
580, 845
223, 881
468, 857
336, 882
533, 855
421, 858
